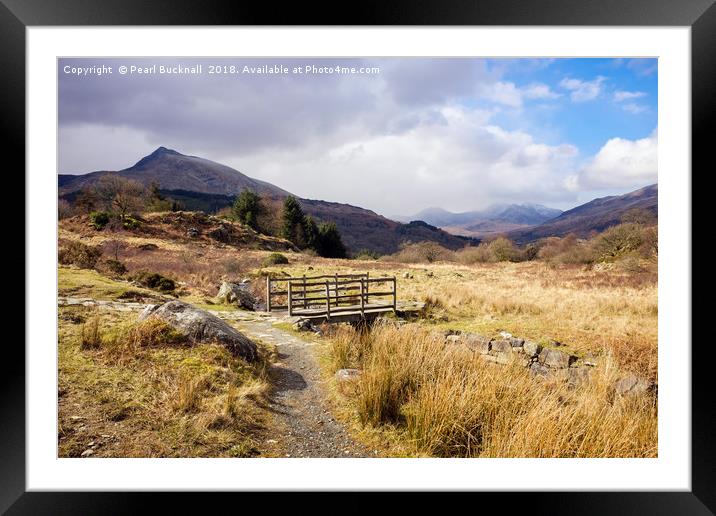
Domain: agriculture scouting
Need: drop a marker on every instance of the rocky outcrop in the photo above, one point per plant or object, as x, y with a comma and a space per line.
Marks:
200, 326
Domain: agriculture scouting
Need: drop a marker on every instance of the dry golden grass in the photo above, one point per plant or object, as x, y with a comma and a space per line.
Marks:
590, 311
140, 391
443, 400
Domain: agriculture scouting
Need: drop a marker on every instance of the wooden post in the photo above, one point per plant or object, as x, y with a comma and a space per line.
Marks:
362, 297
305, 301
268, 293
395, 295
336, 280
290, 299
328, 301
367, 286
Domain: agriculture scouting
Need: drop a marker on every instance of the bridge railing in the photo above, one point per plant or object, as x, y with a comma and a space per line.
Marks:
319, 295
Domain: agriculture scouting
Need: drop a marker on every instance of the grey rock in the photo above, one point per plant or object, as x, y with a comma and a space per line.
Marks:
501, 346
202, 327
192, 232
348, 375
555, 358
453, 339
499, 358
531, 348
539, 370
238, 294
87, 453
303, 325
577, 376
632, 384
515, 342
478, 343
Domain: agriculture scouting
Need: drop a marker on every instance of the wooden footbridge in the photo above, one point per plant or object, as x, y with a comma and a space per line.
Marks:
336, 298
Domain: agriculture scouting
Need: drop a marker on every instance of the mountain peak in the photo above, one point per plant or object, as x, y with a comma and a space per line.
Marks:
160, 152
164, 150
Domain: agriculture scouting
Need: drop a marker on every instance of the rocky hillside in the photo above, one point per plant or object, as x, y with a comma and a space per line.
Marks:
596, 215
185, 226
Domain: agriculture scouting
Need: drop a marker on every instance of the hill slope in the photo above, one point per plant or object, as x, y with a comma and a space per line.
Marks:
201, 184
596, 215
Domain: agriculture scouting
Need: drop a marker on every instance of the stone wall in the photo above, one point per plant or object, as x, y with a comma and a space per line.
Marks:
544, 362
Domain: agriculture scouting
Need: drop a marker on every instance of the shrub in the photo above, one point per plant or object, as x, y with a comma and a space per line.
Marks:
474, 254
617, 241
90, 334
99, 219
422, 252
154, 281
567, 250
502, 250
649, 247
367, 254
79, 254
129, 222
113, 267
275, 259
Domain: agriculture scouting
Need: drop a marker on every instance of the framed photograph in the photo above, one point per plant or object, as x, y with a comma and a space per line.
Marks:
267, 251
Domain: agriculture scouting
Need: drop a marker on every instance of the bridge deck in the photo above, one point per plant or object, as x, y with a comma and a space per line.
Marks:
351, 313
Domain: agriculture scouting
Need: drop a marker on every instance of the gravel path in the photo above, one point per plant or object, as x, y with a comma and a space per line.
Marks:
303, 425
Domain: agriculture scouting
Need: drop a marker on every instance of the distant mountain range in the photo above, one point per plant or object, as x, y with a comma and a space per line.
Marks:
497, 219
199, 183
594, 216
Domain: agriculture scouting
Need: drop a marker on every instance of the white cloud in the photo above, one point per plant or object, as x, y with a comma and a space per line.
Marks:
538, 90
635, 109
582, 91
620, 163
503, 93
620, 96
463, 162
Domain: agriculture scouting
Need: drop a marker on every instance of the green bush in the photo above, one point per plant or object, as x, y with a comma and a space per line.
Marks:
275, 259
99, 219
154, 280
79, 254
130, 222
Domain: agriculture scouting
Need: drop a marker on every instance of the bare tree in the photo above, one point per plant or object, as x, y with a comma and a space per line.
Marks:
120, 195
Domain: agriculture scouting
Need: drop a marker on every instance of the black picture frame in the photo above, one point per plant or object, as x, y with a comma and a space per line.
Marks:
700, 15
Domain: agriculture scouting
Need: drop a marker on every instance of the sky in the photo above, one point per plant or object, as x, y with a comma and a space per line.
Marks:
395, 135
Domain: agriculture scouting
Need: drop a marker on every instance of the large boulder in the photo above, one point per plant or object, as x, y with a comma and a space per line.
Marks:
238, 294
201, 327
